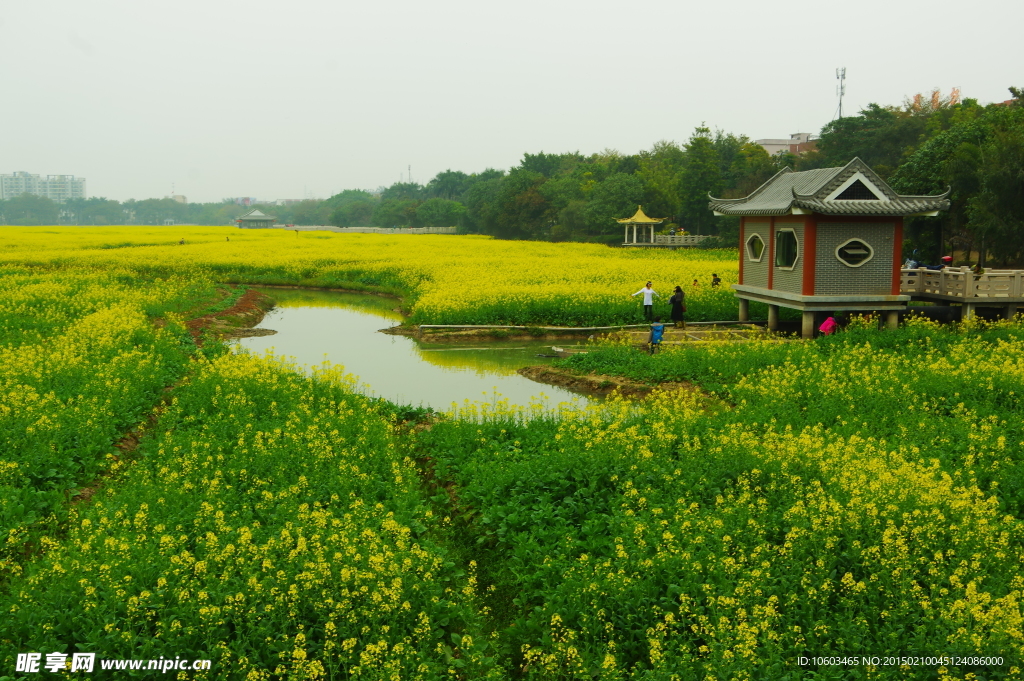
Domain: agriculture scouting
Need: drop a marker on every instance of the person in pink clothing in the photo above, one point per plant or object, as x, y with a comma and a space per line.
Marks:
649, 294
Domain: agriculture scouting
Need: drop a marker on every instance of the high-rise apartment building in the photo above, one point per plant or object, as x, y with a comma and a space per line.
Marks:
59, 188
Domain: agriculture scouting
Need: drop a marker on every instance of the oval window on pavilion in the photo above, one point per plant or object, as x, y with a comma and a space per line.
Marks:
755, 247
854, 253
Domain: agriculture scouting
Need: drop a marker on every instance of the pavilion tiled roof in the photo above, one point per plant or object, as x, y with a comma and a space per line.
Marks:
813, 191
641, 219
255, 214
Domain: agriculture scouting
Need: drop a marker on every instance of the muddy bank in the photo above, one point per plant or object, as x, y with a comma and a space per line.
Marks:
598, 384
296, 287
236, 321
380, 294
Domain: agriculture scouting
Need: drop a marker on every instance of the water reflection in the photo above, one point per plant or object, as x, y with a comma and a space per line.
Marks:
342, 328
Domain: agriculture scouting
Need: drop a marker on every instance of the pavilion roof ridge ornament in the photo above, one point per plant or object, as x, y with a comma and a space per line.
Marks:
639, 218
828, 191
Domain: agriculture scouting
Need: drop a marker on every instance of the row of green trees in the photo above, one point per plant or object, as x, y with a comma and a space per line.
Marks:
36, 210
547, 196
930, 144
921, 147
570, 196
979, 155
28, 209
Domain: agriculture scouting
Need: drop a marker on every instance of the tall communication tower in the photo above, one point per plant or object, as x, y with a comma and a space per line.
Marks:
841, 88
410, 174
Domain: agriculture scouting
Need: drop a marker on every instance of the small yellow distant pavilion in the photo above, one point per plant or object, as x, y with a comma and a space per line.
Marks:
639, 219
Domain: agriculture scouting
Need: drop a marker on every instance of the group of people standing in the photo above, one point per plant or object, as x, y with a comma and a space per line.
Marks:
678, 303
678, 313
677, 300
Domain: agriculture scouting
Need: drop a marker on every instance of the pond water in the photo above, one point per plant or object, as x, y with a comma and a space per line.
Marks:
343, 328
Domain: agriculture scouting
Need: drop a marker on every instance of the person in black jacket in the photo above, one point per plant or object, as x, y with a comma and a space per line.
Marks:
678, 302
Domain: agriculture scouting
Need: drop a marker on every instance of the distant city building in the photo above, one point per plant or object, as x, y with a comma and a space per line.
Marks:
798, 143
58, 188
179, 198
253, 201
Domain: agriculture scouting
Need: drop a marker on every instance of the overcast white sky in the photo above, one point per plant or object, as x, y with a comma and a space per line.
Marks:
287, 99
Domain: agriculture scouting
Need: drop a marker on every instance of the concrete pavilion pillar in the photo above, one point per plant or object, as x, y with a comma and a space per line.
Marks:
634, 232
744, 310
807, 324
1010, 311
773, 317
625, 235
967, 312
892, 319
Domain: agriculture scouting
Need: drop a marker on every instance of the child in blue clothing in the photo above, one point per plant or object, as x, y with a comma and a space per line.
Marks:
654, 339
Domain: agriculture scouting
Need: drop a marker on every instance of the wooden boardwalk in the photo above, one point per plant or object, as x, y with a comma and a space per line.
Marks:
993, 288
667, 241
673, 336
704, 334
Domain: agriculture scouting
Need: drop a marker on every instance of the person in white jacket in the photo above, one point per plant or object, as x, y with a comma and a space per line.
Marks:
649, 294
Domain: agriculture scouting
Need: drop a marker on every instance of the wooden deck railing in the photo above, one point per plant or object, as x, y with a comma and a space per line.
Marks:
376, 230
682, 240
963, 283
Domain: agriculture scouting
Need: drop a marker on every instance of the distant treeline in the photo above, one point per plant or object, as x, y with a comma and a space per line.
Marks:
37, 210
921, 147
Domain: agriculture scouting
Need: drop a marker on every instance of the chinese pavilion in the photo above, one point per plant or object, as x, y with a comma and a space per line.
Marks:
639, 219
828, 239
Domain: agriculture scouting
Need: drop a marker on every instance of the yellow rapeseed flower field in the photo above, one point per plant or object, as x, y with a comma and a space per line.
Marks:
843, 508
447, 279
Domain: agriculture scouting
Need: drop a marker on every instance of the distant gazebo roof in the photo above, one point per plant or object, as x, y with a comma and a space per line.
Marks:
640, 219
255, 218
853, 189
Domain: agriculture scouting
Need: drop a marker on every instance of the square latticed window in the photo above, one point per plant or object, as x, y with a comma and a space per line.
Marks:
785, 248
755, 247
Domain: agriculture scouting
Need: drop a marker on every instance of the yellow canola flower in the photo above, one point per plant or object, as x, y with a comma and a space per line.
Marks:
447, 279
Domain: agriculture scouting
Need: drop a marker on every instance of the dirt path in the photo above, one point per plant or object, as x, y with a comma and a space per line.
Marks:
233, 322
